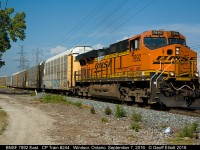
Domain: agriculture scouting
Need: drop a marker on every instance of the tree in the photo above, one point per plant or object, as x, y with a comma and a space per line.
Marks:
10, 28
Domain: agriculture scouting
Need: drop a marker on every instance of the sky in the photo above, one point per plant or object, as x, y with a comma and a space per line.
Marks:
54, 26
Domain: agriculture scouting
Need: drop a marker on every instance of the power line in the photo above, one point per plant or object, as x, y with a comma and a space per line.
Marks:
83, 22
22, 60
126, 20
97, 25
38, 52
116, 20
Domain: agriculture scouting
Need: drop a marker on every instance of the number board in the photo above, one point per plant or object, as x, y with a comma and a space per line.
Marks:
173, 33
157, 32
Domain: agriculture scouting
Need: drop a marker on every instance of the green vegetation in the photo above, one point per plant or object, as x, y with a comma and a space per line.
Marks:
180, 141
12, 26
50, 98
104, 119
135, 126
136, 118
120, 112
3, 121
108, 111
186, 135
189, 131
1, 87
92, 110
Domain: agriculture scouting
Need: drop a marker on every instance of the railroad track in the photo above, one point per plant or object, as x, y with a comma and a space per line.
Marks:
190, 112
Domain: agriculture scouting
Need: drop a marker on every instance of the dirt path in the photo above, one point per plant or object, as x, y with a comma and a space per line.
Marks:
27, 125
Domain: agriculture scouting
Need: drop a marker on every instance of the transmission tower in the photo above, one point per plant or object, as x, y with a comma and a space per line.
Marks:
38, 52
22, 60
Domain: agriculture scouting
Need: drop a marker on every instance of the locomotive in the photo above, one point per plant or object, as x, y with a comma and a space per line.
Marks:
153, 67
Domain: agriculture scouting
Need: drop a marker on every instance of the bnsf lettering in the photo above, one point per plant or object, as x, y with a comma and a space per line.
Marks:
170, 58
102, 65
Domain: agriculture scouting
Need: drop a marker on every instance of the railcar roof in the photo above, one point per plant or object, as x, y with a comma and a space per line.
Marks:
73, 51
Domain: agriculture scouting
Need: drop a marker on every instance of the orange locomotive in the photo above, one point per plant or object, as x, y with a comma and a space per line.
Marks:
153, 67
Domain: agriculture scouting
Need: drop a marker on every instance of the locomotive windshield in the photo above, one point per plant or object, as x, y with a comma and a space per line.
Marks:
176, 41
155, 42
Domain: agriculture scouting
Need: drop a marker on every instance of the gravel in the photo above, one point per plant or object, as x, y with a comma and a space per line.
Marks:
155, 122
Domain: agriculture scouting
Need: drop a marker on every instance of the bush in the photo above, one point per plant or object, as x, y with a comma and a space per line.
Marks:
103, 119
135, 126
108, 111
92, 110
136, 117
189, 131
120, 112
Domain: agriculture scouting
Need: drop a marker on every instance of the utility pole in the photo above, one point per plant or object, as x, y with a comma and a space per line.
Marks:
37, 55
22, 60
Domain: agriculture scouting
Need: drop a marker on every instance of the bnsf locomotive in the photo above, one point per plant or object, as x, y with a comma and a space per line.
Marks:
153, 67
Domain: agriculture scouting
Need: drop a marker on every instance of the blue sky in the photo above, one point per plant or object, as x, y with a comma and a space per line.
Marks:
57, 25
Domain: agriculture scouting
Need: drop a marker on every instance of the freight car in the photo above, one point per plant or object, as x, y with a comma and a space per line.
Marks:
153, 67
3, 81
58, 71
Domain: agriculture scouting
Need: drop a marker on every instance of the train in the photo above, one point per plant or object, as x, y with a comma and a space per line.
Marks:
154, 67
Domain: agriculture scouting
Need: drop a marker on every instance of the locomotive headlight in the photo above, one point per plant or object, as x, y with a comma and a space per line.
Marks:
196, 74
172, 74
177, 50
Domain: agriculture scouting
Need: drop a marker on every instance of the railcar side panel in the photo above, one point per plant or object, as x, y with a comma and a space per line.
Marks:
32, 78
2, 81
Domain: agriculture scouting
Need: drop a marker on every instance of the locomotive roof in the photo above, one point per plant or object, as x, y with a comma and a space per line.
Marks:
116, 47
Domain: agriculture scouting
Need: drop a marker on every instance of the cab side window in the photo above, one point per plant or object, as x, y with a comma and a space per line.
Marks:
135, 44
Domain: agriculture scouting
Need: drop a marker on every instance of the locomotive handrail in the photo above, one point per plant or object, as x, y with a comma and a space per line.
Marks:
183, 87
161, 74
155, 74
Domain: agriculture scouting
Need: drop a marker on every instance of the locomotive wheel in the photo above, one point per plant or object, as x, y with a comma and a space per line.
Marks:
188, 101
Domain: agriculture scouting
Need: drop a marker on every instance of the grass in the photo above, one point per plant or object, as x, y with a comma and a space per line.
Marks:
120, 112
92, 110
186, 135
1, 87
108, 111
3, 121
136, 118
104, 119
180, 141
189, 131
50, 98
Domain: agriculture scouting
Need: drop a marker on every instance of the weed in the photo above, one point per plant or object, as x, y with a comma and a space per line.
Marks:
120, 112
92, 110
104, 119
189, 131
135, 126
136, 117
108, 111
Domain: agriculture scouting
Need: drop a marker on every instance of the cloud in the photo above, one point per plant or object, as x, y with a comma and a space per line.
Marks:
97, 46
58, 49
